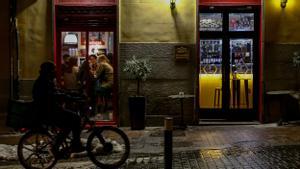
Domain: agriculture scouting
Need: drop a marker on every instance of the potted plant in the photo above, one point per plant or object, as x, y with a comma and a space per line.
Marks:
138, 69
296, 63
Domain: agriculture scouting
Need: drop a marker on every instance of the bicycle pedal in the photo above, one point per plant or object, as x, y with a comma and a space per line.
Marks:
78, 155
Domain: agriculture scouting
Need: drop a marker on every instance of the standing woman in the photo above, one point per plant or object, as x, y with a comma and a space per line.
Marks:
105, 80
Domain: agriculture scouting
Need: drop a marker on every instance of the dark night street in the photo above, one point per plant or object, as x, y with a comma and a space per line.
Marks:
238, 146
150, 84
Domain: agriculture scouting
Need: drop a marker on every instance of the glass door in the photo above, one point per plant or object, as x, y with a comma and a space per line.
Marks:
76, 67
241, 73
228, 55
241, 59
100, 44
211, 51
210, 77
73, 44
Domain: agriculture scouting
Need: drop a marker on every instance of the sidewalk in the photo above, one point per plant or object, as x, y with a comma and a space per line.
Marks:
245, 146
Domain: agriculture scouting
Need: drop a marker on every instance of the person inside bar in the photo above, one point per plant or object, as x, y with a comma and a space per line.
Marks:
104, 82
86, 78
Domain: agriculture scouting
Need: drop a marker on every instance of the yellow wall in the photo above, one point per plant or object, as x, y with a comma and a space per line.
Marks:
154, 21
282, 25
210, 82
140, 21
35, 36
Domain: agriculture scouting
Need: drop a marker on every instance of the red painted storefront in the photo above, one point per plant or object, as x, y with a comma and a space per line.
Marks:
88, 17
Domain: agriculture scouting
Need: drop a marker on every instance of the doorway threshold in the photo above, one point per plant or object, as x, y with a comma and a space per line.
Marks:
205, 122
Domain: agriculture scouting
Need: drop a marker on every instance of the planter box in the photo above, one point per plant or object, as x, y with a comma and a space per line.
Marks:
21, 114
137, 110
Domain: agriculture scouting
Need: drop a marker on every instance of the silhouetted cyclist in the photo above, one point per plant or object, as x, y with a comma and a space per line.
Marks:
48, 107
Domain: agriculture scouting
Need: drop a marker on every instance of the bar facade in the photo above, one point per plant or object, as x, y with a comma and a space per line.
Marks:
230, 52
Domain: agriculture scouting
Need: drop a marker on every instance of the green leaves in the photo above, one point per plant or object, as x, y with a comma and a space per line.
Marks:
296, 59
139, 69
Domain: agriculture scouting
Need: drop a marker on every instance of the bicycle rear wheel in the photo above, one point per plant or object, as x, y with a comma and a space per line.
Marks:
35, 150
108, 147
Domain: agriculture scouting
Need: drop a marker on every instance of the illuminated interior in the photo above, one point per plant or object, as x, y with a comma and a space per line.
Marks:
99, 42
77, 45
210, 83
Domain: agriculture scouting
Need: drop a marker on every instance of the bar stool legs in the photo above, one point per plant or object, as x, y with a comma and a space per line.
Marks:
236, 93
217, 97
246, 92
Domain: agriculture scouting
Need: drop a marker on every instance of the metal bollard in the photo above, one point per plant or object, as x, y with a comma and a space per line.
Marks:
168, 142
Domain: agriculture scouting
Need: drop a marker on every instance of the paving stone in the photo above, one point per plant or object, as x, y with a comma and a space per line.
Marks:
262, 157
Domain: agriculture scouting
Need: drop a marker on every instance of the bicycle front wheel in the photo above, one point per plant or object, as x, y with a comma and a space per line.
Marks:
108, 147
35, 150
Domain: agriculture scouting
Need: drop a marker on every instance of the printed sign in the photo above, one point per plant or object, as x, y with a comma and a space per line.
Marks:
182, 52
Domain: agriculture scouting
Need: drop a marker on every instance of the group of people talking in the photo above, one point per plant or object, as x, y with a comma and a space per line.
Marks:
94, 77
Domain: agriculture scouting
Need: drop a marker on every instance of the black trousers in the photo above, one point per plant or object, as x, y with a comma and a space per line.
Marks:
68, 121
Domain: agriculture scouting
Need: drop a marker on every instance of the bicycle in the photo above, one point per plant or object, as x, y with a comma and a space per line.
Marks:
107, 147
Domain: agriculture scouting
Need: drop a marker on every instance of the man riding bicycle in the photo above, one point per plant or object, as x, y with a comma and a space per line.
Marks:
41, 148
49, 109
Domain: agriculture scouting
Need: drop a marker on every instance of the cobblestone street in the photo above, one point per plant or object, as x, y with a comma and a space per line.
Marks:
235, 157
208, 147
